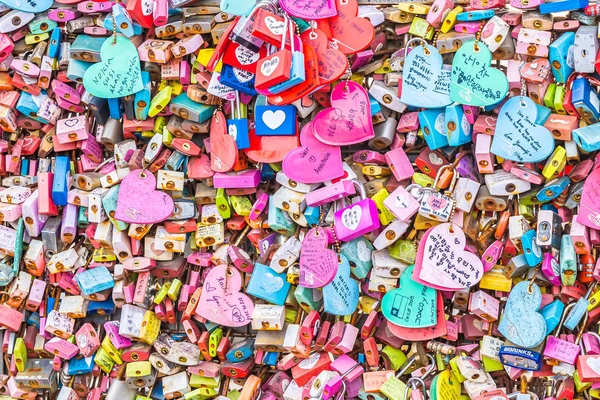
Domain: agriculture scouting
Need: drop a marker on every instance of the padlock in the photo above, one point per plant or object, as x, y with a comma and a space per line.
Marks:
355, 220
569, 351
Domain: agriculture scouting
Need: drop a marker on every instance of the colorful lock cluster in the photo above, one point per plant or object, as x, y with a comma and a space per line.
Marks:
299, 199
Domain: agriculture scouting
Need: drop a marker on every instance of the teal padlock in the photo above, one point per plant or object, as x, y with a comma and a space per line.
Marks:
358, 251
432, 123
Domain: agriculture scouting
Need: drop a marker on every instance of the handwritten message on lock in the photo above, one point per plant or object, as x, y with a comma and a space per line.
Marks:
443, 262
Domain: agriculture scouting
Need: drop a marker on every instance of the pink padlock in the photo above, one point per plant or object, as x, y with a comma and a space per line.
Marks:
399, 164
357, 219
70, 130
331, 193
402, 204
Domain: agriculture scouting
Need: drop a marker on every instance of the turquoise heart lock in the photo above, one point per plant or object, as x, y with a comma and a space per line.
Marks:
340, 297
474, 81
118, 74
521, 322
425, 83
30, 6
520, 138
412, 305
237, 7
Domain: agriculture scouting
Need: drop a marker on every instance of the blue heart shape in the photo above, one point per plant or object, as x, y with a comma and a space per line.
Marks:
521, 323
30, 6
474, 81
519, 137
425, 83
340, 297
118, 74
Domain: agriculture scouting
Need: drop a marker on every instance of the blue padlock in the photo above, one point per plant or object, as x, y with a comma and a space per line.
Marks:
141, 99
587, 137
238, 125
275, 120
62, 178
457, 126
238, 79
518, 357
559, 54
95, 280
552, 313
553, 188
533, 252
586, 101
54, 43
432, 123
268, 285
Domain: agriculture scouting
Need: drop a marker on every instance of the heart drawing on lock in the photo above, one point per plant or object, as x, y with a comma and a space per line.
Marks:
232, 130
269, 66
521, 139
536, 71
348, 120
442, 261
223, 149
273, 119
318, 264
242, 76
118, 74
332, 63
271, 283
245, 56
71, 122
594, 364
221, 301
412, 305
309, 9
350, 34
474, 82
351, 217
139, 202
340, 297
521, 323
276, 27
425, 83
313, 161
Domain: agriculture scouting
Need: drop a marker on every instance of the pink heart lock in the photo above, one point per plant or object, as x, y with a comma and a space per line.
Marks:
318, 264
221, 301
139, 202
314, 161
348, 120
442, 261
309, 9
589, 206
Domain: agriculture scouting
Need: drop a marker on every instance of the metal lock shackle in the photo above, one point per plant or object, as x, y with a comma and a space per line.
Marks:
413, 383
